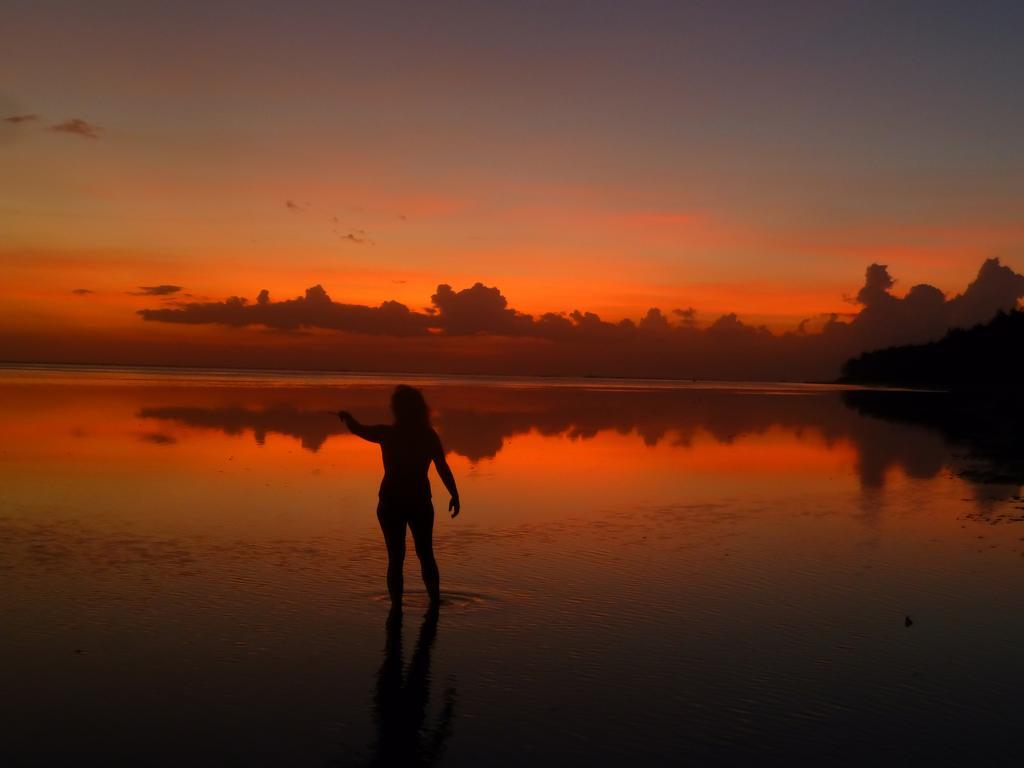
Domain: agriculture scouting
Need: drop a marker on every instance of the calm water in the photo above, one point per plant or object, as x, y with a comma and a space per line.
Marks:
651, 572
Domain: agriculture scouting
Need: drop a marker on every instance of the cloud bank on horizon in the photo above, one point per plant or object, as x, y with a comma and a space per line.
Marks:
658, 344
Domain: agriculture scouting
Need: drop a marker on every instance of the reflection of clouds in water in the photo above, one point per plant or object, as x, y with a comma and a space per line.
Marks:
311, 428
980, 433
997, 503
478, 423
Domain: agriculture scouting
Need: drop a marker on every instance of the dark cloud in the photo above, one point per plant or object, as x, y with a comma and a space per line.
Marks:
292, 206
357, 236
925, 313
314, 310
478, 309
78, 127
82, 292
877, 284
996, 287
158, 438
156, 290
654, 322
658, 344
18, 119
687, 317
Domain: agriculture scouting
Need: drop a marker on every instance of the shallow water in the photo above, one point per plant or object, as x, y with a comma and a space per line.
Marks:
645, 571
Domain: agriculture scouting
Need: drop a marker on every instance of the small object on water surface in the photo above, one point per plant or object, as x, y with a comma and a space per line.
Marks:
907, 621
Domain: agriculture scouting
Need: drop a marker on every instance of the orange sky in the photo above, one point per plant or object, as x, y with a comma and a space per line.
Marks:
580, 160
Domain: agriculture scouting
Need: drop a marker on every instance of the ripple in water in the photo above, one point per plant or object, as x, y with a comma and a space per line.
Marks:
449, 598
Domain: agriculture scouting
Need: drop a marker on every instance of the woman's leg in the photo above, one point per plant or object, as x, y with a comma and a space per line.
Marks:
421, 523
392, 524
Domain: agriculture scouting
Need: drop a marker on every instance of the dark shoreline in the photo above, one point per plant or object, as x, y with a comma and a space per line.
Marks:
52, 364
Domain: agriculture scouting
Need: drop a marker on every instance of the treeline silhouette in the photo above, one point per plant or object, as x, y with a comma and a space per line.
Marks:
985, 358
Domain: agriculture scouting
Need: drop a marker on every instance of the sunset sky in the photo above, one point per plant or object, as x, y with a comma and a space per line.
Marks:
605, 157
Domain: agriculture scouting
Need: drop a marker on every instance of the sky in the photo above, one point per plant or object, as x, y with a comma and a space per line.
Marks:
717, 158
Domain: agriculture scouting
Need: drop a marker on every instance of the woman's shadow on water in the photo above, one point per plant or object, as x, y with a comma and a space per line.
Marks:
401, 698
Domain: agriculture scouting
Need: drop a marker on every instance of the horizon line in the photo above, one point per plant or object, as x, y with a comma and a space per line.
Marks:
52, 364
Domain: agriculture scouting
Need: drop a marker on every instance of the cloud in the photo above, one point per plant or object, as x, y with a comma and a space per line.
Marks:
313, 310
83, 292
657, 344
19, 119
292, 206
78, 127
995, 286
687, 317
877, 284
478, 309
654, 322
924, 313
357, 236
156, 290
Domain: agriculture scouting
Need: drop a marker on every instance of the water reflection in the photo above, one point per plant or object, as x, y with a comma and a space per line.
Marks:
478, 422
402, 697
311, 428
985, 429
740, 562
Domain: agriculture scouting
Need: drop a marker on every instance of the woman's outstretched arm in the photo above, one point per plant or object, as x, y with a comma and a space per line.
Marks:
445, 473
373, 433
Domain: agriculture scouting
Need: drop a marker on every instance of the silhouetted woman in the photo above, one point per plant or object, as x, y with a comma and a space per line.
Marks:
407, 447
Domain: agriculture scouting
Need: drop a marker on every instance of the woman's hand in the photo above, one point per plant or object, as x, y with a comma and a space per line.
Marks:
453, 506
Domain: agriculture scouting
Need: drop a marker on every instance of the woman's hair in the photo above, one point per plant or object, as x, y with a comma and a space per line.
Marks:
409, 407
